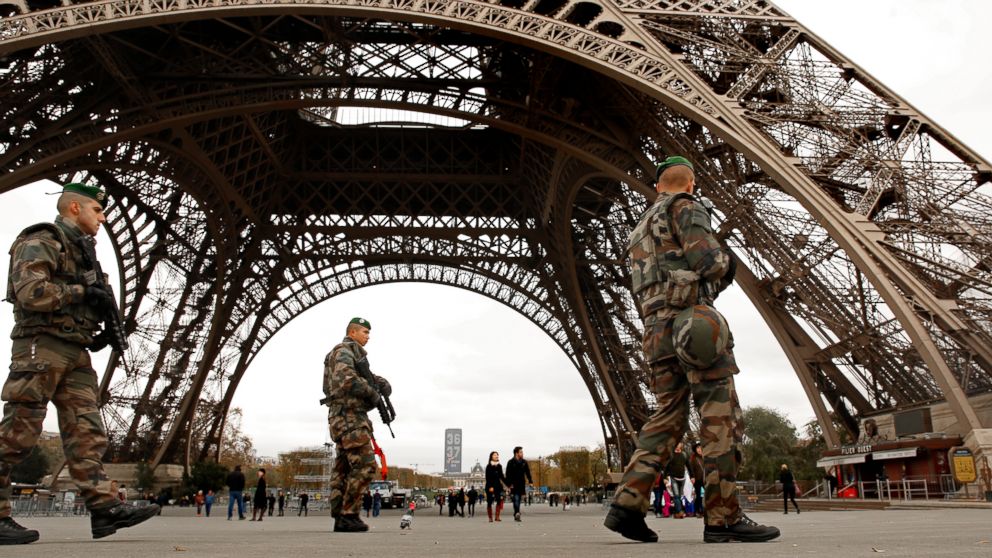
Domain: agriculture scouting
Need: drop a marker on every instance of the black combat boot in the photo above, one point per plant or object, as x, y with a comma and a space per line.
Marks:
630, 524
106, 521
12, 533
745, 530
349, 524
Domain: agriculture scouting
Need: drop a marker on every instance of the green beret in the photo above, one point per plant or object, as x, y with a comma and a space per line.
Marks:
92, 192
673, 161
362, 322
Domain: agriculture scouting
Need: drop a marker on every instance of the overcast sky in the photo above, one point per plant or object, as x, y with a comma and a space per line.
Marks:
459, 360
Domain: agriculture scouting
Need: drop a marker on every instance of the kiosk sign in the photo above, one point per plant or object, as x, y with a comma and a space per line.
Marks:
453, 450
963, 465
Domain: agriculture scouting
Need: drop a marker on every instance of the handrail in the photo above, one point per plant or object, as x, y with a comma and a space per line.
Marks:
816, 488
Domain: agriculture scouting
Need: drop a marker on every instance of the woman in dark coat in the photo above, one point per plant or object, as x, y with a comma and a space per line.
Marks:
788, 488
495, 481
260, 502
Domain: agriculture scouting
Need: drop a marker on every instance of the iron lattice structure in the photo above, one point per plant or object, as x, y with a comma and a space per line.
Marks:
265, 155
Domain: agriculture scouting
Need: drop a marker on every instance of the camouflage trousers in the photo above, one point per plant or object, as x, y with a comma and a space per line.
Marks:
722, 430
44, 369
354, 467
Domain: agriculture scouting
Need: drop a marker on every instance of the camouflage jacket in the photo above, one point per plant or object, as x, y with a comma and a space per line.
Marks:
672, 251
350, 395
45, 284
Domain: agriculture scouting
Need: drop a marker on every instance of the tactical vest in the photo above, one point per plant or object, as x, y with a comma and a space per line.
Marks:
74, 322
660, 275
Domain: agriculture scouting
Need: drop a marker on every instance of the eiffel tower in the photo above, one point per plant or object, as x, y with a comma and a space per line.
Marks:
263, 156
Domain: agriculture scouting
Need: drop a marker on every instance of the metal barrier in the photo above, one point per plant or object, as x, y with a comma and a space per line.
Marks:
914, 488
29, 506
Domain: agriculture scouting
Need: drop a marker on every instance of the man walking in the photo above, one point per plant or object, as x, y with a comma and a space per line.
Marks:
376, 503
517, 477
304, 499
677, 270
676, 470
236, 489
473, 497
58, 310
350, 395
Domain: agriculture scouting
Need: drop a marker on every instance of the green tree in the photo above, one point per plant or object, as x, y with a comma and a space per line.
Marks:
237, 448
575, 465
32, 469
769, 440
207, 475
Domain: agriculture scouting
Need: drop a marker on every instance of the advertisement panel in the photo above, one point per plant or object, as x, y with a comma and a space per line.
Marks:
453, 450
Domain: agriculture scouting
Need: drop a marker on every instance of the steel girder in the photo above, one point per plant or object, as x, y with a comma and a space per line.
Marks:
841, 199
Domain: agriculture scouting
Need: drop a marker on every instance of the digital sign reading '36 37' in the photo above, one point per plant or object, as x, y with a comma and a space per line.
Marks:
453, 450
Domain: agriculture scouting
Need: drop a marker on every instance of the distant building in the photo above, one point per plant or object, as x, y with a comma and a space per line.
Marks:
476, 478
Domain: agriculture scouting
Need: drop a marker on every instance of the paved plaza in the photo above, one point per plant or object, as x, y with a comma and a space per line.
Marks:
545, 532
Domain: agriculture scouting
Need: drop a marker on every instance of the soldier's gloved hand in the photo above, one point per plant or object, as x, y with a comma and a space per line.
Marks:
384, 387
732, 270
728, 278
100, 341
99, 298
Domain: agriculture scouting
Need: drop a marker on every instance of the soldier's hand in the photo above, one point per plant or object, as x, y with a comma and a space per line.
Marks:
100, 341
99, 298
384, 387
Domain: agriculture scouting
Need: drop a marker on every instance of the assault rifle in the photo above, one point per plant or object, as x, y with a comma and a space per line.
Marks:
94, 277
385, 407
383, 404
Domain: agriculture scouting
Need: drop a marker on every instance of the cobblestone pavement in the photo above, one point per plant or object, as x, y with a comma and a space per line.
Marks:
544, 532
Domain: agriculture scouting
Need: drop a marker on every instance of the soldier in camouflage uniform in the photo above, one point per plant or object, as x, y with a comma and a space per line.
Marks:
677, 269
349, 397
56, 320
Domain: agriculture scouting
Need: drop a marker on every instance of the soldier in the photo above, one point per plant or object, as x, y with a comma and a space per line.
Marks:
349, 397
56, 318
677, 269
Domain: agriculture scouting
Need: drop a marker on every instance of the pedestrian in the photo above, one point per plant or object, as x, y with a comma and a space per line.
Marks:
678, 268
832, 481
666, 507
259, 502
659, 487
517, 478
367, 503
473, 497
440, 504
208, 502
452, 503
788, 488
281, 500
676, 470
698, 478
350, 390
59, 307
304, 498
199, 499
271, 501
376, 503
495, 483
461, 502
235, 488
